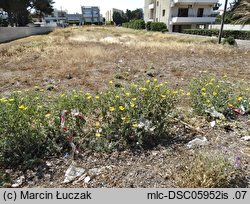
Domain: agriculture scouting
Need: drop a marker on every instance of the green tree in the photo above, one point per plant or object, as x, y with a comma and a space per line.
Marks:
119, 18
242, 12
19, 10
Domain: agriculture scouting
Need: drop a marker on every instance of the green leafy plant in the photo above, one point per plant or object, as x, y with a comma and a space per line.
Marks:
210, 93
229, 40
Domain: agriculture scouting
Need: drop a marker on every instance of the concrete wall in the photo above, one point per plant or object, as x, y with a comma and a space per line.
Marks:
12, 33
231, 27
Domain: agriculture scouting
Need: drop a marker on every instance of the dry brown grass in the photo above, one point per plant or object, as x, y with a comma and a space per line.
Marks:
89, 57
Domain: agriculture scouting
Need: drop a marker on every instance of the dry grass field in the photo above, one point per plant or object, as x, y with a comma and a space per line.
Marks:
87, 58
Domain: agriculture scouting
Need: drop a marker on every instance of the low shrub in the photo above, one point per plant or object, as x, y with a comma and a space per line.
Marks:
230, 41
125, 25
35, 125
209, 171
109, 23
148, 26
236, 34
158, 26
135, 24
209, 94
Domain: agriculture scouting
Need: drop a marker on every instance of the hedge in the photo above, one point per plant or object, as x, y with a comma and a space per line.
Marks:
156, 26
242, 35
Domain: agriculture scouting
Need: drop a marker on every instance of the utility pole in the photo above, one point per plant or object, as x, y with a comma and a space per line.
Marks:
222, 21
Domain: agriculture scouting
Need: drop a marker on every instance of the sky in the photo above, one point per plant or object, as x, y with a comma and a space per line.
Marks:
74, 6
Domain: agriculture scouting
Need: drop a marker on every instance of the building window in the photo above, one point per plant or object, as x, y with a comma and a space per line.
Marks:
200, 12
157, 3
183, 12
163, 12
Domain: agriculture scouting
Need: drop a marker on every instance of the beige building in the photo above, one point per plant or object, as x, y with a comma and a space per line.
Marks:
109, 14
180, 14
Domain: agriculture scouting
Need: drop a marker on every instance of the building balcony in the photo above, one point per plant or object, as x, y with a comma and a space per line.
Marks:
187, 2
192, 20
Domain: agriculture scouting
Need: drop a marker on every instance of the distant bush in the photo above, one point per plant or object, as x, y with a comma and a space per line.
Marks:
87, 23
158, 26
135, 24
148, 26
236, 34
109, 23
125, 25
230, 41
3, 22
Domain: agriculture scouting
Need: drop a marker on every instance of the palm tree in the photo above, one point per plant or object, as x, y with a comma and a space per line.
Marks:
242, 12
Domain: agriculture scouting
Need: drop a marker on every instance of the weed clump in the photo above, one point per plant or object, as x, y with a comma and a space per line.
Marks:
209, 171
35, 125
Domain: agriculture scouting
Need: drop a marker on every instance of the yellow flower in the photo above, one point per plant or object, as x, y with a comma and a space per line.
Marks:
135, 125
155, 80
175, 92
97, 97
148, 81
121, 108
110, 82
62, 95
98, 135
87, 94
163, 96
133, 99
203, 89
112, 108
123, 118
142, 89
117, 96
239, 98
188, 93
22, 107
11, 100
132, 105
230, 105
49, 97
89, 97
127, 94
215, 93
47, 115
3, 100
203, 94
165, 82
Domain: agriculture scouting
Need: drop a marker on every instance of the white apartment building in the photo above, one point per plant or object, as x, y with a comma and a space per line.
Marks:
109, 14
180, 14
91, 14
